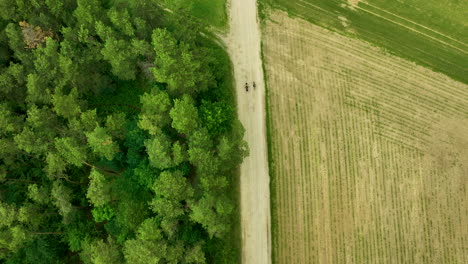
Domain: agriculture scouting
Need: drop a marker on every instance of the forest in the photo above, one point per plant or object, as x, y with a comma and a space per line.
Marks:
119, 140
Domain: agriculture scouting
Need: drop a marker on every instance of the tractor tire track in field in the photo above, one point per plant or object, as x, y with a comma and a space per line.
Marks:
417, 24
243, 42
412, 29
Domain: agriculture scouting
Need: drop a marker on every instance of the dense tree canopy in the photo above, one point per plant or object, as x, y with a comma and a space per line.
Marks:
118, 136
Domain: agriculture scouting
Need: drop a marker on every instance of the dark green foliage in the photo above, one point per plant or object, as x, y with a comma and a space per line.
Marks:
184, 68
78, 231
154, 112
159, 151
217, 117
103, 213
43, 250
101, 143
135, 144
118, 138
144, 174
184, 115
101, 252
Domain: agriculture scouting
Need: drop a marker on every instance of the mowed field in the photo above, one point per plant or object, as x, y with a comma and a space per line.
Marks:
368, 152
433, 33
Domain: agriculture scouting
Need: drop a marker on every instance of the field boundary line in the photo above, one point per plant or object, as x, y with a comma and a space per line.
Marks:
412, 29
428, 28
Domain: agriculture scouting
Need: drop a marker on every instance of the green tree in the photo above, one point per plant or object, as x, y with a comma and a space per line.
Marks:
55, 165
62, 197
38, 194
184, 115
8, 214
122, 58
100, 252
71, 150
9, 123
154, 111
31, 142
43, 121
67, 106
39, 130
172, 186
46, 63
217, 117
103, 213
213, 213
87, 122
100, 189
171, 189
232, 149
122, 53
57, 58
17, 45
12, 81
201, 153
13, 233
37, 89
121, 20
177, 65
151, 247
7, 10
195, 255
144, 252
115, 124
159, 151
179, 153
101, 143
12, 239
61, 8
87, 13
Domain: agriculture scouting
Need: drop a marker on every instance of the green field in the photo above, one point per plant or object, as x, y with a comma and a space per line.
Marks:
213, 12
368, 152
431, 33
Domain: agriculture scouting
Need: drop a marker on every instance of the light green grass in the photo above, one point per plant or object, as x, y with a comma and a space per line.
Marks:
212, 12
432, 33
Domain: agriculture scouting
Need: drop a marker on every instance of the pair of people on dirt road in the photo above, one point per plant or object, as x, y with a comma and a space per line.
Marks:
247, 86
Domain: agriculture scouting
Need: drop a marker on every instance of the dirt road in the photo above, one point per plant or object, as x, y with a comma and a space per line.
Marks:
243, 43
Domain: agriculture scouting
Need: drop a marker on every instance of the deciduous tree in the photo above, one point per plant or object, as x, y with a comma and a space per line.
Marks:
159, 151
99, 190
102, 252
213, 213
67, 106
177, 65
154, 111
71, 150
101, 143
184, 115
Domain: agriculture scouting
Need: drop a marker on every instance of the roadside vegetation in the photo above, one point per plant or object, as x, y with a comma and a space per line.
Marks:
431, 33
211, 12
119, 141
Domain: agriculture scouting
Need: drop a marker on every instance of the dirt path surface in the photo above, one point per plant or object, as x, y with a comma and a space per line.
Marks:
243, 43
